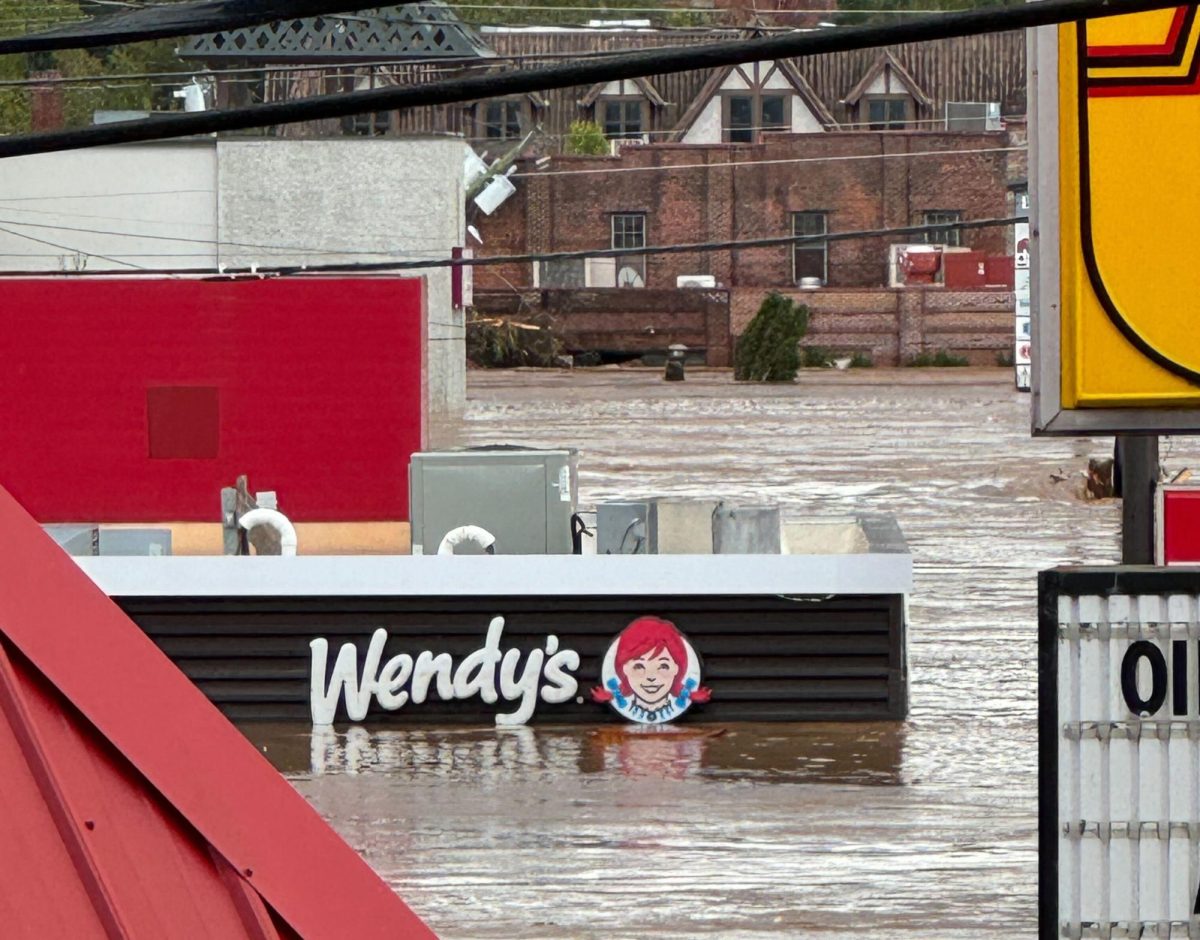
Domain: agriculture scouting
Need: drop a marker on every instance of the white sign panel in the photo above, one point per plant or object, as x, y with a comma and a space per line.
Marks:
1120, 746
1023, 338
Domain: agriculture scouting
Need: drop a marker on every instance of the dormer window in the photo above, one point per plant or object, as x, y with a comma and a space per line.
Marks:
625, 110
747, 114
887, 98
740, 103
888, 112
502, 119
622, 117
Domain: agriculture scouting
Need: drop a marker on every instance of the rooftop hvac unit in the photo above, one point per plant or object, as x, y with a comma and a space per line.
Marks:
522, 497
696, 280
973, 116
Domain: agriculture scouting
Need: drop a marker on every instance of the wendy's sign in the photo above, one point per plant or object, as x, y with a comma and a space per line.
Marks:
517, 659
651, 673
487, 673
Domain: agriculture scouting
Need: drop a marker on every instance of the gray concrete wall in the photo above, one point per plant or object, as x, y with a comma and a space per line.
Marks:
334, 201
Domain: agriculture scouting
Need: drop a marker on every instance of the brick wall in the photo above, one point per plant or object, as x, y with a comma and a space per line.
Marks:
699, 193
625, 320
892, 325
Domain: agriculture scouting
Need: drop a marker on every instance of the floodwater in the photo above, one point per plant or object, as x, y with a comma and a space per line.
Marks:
918, 830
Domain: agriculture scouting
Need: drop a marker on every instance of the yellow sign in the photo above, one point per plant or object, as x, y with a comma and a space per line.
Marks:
1129, 190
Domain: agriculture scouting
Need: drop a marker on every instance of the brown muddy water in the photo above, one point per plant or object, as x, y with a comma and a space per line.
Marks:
918, 830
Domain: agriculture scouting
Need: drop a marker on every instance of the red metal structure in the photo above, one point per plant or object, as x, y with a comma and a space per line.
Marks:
129, 807
135, 399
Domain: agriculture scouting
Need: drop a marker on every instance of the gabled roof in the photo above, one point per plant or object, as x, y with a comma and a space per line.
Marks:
405, 32
129, 806
888, 61
644, 86
713, 86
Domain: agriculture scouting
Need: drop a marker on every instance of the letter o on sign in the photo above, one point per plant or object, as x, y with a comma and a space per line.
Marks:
1158, 678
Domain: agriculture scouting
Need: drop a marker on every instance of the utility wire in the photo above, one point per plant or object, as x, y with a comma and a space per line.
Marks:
488, 261
628, 65
532, 174
735, 244
170, 19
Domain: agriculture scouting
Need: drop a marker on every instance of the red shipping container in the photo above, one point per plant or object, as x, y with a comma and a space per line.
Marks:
964, 270
1000, 271
135, 399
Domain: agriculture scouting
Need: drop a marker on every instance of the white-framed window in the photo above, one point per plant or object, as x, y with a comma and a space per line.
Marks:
629, 231
810, 258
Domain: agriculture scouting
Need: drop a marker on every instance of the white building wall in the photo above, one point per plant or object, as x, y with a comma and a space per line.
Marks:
706, 129
110, 209
803, 120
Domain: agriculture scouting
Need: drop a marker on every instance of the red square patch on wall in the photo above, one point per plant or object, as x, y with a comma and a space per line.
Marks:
183, 422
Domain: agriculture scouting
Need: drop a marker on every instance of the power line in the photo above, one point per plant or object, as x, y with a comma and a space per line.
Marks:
735, 244
74, 251
627, 65
162, 21
195, 241
488, 261
783, 160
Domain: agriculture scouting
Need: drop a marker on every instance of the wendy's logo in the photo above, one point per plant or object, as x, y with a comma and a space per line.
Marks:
650, 673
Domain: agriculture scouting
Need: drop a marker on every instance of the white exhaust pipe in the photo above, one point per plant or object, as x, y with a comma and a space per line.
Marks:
275, 520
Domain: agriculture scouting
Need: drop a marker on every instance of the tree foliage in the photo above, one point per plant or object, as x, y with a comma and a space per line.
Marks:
587, 139
768, 351
80, 99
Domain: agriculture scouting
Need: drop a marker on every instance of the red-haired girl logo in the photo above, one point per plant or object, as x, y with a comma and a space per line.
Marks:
650, 673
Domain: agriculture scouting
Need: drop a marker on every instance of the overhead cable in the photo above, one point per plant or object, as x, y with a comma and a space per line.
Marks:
629, 65
170, 19
382, 267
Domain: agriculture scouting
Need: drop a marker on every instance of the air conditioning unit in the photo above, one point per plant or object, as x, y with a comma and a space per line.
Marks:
973, 116
696, 280
618, 143
600, 272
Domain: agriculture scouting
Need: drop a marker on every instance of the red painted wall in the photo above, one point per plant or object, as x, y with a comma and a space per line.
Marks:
318, 395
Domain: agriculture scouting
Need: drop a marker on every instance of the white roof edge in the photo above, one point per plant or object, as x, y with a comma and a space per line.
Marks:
500, 576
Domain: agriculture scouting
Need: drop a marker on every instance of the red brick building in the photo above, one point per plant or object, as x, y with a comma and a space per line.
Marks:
666, 194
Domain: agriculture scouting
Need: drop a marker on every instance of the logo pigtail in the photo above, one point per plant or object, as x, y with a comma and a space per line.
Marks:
693, 692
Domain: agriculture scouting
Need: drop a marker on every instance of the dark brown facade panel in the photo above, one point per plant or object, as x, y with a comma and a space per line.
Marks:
765, 658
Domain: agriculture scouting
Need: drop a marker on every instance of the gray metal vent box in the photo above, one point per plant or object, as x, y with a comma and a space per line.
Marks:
523, 497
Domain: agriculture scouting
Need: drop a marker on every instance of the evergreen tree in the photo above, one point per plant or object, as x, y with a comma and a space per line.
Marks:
768, 351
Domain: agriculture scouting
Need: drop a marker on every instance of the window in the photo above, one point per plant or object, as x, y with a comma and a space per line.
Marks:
629, 231
502, 120
746, 114
810, 259
371, 124
951, 237
621, 117
888, 112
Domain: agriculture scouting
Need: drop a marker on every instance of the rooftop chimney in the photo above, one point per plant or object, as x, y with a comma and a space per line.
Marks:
46, 100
